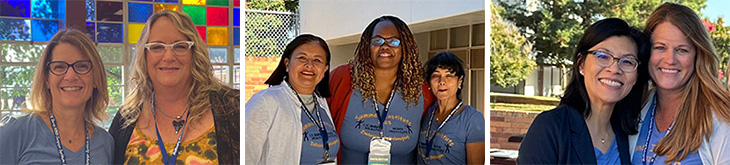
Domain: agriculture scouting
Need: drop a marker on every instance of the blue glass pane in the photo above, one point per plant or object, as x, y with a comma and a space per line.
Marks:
15, 8
236, 36
139, 12
236, 17
90, 10
91, 30
109, 11
145, 0
43, 30
166, 1
109, 32
14, 29
49, 9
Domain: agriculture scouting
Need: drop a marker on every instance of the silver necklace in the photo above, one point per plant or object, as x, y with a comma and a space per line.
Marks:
178, 122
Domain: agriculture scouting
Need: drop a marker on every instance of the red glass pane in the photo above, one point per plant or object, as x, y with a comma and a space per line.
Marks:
201, 31
217, 16
237, 3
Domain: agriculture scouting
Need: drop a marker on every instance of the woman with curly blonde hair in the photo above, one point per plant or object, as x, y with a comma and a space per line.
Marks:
686, 117
174, 102
378, 97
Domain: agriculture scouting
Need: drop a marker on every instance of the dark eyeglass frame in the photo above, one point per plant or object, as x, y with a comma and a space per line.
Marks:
613, 59
73, 65
380, 41
148, 45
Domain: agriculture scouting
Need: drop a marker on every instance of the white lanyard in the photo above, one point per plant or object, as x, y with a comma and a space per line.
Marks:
58, 141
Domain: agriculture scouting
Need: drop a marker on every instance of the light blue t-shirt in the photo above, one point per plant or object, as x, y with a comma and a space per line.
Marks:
361, 124
26, 139
610, 157
693, 158
449, 146
312, 147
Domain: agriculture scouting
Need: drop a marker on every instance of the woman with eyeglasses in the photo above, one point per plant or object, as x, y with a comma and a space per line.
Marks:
601, 103
68, 98
290, 122
176, 112
379, 96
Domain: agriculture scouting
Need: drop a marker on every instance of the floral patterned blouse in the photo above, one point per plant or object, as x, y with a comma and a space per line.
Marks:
144, 150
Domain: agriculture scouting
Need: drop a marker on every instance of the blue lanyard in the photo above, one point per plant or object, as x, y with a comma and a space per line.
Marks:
651, 130
173, 156
430, 138
382, 117
320, 124
58, 141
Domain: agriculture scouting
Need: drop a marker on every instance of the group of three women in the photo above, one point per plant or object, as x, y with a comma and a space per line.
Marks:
175, 111
377, 108
684, 118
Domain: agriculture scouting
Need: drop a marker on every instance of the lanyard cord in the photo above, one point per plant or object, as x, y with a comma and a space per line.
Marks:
384, 116
651, 130
320, 124
173, 155
430, 138
58, 141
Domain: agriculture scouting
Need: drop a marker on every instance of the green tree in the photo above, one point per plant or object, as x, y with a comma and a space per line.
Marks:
509, 60
720, 35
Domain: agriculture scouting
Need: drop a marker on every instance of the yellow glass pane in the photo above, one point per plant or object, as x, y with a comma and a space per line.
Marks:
160, 7
135, 31
217, 35
193, 2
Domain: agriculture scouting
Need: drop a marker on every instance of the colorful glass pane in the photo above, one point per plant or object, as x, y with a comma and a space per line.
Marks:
197, 13
193, 2
218, 2
15, 29
139, 12
166, 1
109, 32
135, 31
237, 3
236, 17
217, 36
160, 7
201, 31
218, 55
15, 8
43, 30
49, 9
217, 16
91, 30
109, 11
236, 36
90, 10
145, 0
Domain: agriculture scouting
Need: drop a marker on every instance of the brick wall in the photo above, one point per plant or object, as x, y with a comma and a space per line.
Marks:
258, 69
504, 123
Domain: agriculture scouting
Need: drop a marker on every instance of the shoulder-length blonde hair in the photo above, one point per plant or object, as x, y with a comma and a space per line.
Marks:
140, 88
703, 94
410, 73
40, 96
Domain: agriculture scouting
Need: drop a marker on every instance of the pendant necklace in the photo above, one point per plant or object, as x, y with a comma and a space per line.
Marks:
178, 121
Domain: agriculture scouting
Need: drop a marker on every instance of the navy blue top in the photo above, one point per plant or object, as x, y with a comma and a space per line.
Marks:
561, 136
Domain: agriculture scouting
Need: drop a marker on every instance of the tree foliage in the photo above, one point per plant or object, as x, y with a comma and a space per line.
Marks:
509, 60
263, 36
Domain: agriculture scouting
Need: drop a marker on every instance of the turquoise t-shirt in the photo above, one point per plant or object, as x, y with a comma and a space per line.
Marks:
26, 139
361, 124
610, 157
641, 143
449, 146
312, 147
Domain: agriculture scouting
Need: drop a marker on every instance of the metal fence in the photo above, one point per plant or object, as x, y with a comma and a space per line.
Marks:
268, 32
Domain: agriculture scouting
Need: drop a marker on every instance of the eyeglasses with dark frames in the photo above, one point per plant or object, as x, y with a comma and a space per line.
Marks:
379, 41
605, 59
60, 67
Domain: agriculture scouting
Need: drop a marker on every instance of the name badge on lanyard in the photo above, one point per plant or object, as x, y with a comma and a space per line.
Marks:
380, 146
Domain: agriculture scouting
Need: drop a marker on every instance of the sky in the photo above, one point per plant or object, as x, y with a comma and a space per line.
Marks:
717, 8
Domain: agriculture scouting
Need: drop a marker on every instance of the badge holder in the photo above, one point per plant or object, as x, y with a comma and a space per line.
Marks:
379, 151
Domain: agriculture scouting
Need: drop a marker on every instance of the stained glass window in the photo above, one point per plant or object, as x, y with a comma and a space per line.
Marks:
236, 17
237, 3
166, 1
91, 30
201, 31
236, 36
109, 32
217, 16
15, 29
90, 10
109, 11
48, 9
139, 12
217, 36
193, 2
43, 30
218, 2
15, 8
160, 7
134, 32
196, 13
